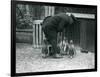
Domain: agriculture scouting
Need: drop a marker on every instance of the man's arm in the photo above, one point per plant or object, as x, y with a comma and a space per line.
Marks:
61, 25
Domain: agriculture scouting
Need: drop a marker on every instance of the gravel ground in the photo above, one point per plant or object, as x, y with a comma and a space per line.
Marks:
29, 59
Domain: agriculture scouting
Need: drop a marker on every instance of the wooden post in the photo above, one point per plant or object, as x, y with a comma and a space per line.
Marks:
33, 35
83, 35
52, 10
37, 34
49, 11
27, 10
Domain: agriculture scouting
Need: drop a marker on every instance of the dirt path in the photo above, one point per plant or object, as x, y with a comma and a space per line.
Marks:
29, 59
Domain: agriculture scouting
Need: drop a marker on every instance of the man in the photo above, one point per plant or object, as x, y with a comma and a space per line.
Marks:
54, 24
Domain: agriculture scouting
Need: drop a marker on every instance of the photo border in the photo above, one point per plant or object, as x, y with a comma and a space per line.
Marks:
13, 39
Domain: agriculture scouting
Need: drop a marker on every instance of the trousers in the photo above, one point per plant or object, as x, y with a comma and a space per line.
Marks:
51, 36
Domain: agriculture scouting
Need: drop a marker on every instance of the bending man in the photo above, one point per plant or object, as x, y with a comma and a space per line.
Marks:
54, 24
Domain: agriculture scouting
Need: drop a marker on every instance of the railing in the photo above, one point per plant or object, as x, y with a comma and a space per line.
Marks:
37, 34
24, 30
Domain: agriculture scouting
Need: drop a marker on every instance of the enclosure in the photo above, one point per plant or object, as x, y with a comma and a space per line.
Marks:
29, 37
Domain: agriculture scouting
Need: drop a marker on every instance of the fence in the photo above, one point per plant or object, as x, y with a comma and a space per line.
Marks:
37, 34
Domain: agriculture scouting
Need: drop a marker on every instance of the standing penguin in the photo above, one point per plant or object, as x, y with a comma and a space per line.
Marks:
54, 24
71, 49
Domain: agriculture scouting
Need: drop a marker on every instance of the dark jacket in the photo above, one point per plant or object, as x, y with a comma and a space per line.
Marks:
57, 22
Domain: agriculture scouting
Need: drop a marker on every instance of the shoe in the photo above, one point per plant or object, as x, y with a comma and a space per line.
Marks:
84, 51
45, 56
63, 53
57, 56
71, 57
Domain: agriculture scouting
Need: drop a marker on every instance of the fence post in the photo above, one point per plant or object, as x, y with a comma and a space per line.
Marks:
37, 33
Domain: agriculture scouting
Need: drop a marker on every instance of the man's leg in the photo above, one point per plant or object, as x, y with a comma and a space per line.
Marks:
52, 39
51, 36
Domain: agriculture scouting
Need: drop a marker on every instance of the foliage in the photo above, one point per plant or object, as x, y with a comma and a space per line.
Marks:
23, 21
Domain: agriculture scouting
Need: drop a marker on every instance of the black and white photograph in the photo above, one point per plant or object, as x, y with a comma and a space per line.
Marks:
52, 37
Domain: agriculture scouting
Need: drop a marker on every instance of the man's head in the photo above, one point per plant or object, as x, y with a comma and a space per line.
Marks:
74, 18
